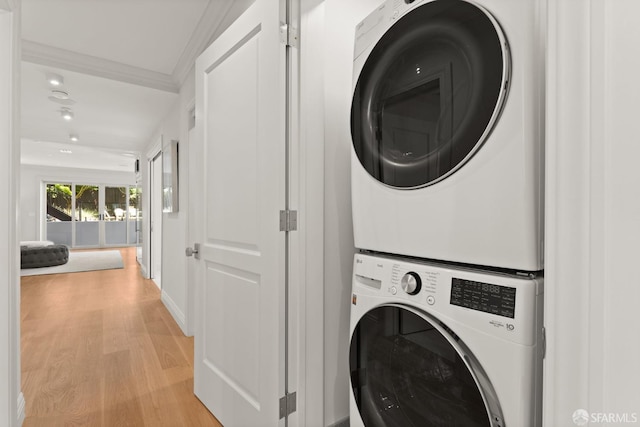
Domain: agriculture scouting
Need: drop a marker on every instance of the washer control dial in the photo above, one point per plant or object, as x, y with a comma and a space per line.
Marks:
411, 283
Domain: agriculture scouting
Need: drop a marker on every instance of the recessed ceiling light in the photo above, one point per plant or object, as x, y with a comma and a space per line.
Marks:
55, 79
73, 137
66, 151
67, 114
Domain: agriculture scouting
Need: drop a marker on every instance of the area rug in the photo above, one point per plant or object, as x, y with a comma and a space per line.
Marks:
81, 261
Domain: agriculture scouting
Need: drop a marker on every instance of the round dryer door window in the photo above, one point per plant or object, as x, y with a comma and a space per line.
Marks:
429, 93
407, 370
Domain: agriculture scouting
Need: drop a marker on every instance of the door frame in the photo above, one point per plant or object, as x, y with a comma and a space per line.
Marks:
190, 151
306, 156
12, 404
145, 203
155, 216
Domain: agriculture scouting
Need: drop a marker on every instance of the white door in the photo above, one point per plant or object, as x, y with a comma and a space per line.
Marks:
156, 220
240, 310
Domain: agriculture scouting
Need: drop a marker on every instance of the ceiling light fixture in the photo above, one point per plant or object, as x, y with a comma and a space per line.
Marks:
67, 114
74, 138
61, 97
55, 79
59, 94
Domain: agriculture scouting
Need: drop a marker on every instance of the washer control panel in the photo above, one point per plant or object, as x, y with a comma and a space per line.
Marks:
486, 297
411, 283
497, 304
419, 283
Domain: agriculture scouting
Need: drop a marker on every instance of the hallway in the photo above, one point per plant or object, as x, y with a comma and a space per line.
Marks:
100, 349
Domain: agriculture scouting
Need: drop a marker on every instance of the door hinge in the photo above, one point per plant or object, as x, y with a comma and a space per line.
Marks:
287, 404
288, 220
288, 35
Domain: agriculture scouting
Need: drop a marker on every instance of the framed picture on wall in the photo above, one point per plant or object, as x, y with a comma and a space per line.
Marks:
170, 174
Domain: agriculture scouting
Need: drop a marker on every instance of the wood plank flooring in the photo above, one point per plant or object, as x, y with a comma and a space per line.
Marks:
100, 349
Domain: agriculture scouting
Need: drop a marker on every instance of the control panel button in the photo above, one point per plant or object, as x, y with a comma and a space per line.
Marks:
393, 290
431, 300
411, 283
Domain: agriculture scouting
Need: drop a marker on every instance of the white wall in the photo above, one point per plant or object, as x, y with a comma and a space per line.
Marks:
174, 127
12, 405
341, 19
174, 226
621, 206
310, 191
32, 177
593, 212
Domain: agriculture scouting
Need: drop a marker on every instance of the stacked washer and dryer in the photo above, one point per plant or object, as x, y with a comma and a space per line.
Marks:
447, 193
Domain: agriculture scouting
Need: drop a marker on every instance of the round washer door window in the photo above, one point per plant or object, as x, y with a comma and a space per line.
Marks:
429, 93
405, 372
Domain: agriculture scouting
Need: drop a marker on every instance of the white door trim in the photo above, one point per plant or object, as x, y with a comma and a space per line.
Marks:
592, 225
191, 268
306, 308
155, 220
12, 405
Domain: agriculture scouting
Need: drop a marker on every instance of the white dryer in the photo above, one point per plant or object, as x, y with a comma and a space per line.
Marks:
447, 130
435, 346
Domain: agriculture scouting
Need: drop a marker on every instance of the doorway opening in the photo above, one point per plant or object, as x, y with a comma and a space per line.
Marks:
155, 220
91, 215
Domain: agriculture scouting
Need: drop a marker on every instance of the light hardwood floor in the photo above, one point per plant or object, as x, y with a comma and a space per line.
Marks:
100, 349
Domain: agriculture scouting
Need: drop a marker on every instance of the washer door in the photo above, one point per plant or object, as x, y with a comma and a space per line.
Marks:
429, 93
408, 370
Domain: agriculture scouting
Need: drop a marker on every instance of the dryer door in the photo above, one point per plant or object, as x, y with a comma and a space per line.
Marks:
429, 93
408, 370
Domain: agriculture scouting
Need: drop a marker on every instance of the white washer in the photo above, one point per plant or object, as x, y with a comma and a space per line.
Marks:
447, 127
436, 346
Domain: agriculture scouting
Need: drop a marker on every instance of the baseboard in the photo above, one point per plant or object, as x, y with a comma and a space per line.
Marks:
175, 311
341, 423
21, 415
143, 271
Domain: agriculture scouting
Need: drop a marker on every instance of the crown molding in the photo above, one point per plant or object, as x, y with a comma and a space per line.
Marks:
207, 29
8, 5
38, 53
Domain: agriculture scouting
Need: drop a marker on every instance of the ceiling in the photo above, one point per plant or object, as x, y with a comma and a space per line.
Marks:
123, 62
